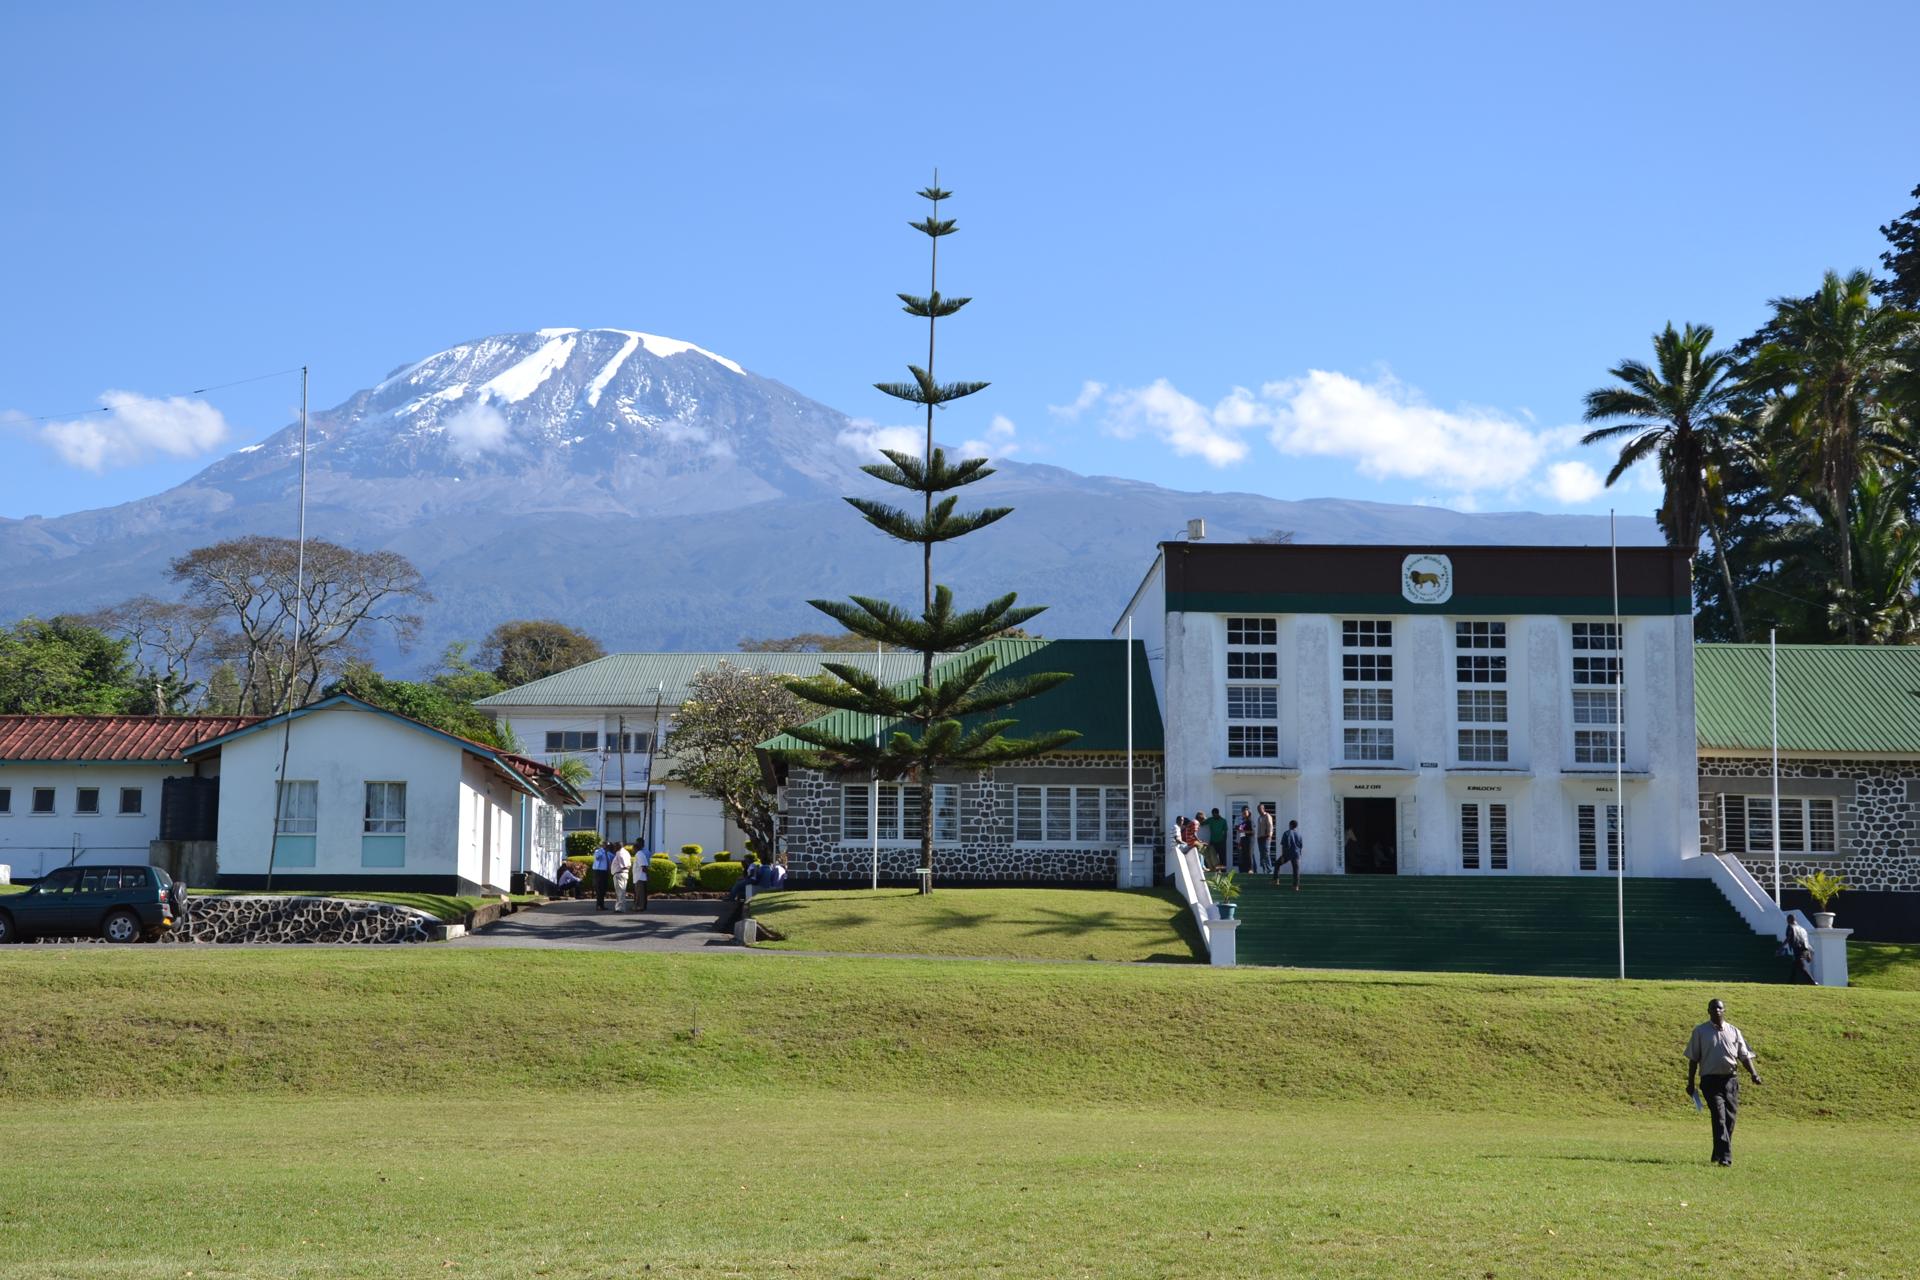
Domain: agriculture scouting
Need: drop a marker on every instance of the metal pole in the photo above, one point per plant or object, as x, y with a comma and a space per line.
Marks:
873, 781
1773, 678
1619, 749
621, 741
293, 647
1127, 879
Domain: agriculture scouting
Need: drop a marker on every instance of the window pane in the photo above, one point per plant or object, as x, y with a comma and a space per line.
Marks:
1116, 815
1821, 827
1027, 824
855, 812
386, 808
1086, 814
946, 812
1497, 837
1470, 837
299, 808
910, 811
130, 800
86, 800
890, 811
1760, 824
1059, 814
1368, 744
1793, 825
1585, 838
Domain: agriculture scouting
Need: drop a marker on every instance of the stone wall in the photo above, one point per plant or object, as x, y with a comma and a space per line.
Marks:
1877, 815
280, 919
985, 852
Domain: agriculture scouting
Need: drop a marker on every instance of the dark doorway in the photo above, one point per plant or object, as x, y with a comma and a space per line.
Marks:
1371, 836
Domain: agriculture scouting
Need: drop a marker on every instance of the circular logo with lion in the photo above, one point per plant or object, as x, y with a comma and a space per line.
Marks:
1427, 579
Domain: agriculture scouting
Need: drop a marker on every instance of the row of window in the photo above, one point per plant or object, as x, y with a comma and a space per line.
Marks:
1366, 695
1484, 844
1051, 815
384, 814
86, 800
589, 740
1806, 825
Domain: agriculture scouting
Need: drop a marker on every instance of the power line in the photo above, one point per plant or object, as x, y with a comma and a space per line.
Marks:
197, 391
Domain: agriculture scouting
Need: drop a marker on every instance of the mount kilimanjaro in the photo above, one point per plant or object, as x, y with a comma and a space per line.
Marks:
659, 496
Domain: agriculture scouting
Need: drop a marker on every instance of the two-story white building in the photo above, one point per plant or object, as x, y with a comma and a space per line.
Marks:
1432, 710
612, 713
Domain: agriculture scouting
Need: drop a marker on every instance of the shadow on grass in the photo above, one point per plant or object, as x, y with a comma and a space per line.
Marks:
1884, 964
1597, 1159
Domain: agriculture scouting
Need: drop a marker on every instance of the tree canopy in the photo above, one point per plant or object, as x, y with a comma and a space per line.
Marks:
530, 649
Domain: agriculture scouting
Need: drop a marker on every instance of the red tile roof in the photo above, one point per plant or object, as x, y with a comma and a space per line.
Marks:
110, 737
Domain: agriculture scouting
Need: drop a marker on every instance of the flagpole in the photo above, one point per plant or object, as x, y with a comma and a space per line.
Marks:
873, 783
1773, 679
1126, 880
1619, 750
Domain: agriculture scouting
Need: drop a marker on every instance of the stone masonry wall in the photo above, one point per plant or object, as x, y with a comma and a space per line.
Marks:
1878, 817
810, 801
281, 919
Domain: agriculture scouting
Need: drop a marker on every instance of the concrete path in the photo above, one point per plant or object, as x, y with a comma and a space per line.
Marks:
664, 926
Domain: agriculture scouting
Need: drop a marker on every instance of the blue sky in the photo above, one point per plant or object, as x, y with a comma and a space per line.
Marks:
1357, 250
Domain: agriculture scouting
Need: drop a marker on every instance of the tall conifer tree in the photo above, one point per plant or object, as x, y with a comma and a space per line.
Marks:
928, 733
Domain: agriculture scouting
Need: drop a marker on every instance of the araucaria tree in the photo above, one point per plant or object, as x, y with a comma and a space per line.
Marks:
950, 726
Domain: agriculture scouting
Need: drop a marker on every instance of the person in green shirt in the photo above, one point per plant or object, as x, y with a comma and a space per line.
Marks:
1217, 837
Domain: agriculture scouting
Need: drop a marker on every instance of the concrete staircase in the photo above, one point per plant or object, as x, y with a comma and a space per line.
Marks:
1559, 926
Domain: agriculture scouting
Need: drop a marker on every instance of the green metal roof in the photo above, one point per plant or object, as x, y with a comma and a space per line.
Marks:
1093, 702
629, 679
1834, 699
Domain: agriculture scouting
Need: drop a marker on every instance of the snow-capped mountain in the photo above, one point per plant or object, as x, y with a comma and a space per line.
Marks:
658, 495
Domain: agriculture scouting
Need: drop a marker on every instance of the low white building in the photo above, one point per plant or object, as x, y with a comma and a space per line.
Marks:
372, 799
91, 789
610, 713
1431, 711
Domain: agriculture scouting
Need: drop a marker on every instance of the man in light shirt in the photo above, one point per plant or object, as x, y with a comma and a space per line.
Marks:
1715, 1052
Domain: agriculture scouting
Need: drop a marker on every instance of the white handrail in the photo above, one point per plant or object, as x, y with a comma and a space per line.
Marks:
1753, 903
1191, 878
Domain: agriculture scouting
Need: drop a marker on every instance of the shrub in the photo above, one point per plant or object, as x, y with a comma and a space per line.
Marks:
723, 856
718, 877
581, 844
690, 850
690, 865
662, 875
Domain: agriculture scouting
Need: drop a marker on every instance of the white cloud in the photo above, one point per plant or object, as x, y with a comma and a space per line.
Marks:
867, 438
479, 428
136, 430
1181, 422
999, 441
1573, 483
1090, 393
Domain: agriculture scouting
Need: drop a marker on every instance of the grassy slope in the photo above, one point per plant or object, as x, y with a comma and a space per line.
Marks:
1043, 924
1889, 966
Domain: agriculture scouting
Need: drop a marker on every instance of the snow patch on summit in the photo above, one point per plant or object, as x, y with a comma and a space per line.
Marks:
664, 347
605, 375
524, 378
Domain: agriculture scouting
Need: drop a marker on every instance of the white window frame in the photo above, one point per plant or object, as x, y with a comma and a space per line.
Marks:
1754, 822
386, 824
1587, 838
1486, 836
1366, 691
1056, 816
1482, 700
580, 737
139, 795
293, 822
899, 817
1596, 676
53, 802
81, 809
6, 801
1252, 670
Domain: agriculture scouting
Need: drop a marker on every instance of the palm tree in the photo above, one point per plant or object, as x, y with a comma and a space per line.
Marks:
1886, 555
1675, 411
1826, 374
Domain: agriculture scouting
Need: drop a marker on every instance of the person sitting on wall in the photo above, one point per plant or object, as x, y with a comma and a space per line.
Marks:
761, 877
567, 883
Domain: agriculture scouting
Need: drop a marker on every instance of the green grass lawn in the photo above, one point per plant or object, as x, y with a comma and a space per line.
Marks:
1026, 924
399, 1113
1889, 966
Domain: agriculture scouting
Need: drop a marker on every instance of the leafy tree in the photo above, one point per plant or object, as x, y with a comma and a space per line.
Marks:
251, 585
728, 711
444, 700
530, 649
1827, 374
169, 639
1902, 260
928, 733
61, 666
1676, 412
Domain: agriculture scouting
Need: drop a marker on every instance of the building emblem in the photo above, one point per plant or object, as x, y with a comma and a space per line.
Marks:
1427, 579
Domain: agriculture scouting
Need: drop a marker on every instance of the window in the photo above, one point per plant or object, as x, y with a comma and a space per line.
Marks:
573, 740
899, 812
1070, 815
386, 809
626, 743
299, 808
131, 800
1482, 746
1253, 689
1481, 706
86, 800
1596, 692
581, 820
1806, 825
43, 799
1366, 701
1483, 837
1587, 837
1480, 695
6, 799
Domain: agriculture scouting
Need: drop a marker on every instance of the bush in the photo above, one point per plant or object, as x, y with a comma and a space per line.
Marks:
718, 877
690, 865
581, 844
690, 850
723, 856
662, 875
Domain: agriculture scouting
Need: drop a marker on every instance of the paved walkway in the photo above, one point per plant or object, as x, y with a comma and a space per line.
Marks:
664, 926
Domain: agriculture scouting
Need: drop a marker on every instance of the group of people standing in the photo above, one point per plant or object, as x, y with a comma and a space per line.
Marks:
613, 865
1244, 843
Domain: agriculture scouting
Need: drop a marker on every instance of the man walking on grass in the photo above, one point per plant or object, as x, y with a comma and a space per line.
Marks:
1716, 1051
1290, 844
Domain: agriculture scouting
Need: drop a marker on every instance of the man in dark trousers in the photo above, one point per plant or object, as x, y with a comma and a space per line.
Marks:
1290, 844
1217, 837
602, 874
1716, 1051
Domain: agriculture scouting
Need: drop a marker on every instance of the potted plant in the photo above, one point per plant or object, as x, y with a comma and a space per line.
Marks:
1225, 886
1823, 887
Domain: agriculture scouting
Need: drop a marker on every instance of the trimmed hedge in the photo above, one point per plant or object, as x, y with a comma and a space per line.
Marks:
582, 844
662, 875
718, 877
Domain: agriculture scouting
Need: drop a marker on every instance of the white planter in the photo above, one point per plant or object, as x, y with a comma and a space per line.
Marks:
1822, 919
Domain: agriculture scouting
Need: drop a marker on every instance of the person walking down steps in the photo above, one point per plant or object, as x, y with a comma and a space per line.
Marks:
1290, 846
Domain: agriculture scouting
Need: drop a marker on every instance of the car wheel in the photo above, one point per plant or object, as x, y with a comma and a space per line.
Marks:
121, 926
7, 932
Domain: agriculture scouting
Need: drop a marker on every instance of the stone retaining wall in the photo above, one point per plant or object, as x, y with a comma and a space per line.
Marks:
276, 919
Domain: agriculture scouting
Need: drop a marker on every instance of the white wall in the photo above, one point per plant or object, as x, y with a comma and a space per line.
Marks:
1541, 784
33, 844
342, 749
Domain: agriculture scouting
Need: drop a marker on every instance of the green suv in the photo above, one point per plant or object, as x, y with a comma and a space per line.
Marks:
120, 904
